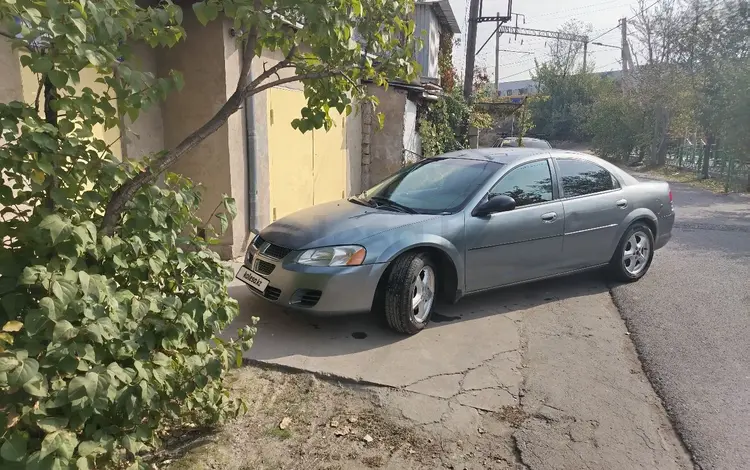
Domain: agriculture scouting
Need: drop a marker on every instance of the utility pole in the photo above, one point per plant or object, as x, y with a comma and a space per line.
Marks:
475, 17
624, 45
497, 55
471, 45
585, 54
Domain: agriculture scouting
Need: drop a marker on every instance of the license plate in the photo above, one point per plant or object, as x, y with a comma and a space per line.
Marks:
252, 279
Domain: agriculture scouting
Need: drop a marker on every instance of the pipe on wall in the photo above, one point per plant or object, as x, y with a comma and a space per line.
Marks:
252, 144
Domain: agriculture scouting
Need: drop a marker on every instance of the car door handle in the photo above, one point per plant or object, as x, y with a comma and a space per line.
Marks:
622, 203
549, 217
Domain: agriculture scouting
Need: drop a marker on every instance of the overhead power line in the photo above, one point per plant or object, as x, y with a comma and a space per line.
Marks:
606, 32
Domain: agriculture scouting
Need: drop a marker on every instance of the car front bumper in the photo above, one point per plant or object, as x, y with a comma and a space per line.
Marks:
316, 289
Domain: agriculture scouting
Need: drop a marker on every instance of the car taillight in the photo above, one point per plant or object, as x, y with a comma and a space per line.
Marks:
670, 195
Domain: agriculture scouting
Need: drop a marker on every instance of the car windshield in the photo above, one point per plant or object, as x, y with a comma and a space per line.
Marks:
432, 186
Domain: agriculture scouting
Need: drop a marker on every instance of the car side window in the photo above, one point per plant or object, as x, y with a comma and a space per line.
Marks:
580, 177
527, 184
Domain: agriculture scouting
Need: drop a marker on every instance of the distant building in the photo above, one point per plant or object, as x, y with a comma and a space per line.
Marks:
519, 88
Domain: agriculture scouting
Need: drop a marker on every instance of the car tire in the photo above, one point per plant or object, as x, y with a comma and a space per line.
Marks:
412, 280
634, 254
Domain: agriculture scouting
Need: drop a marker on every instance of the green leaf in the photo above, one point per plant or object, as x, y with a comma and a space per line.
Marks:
62, 443
64, 290
93, 58
41, 64
14, 447
230, 206
85, 280
87, 448
47, 306
12, 304
59, 79
23, 373
80, 24
161, 359
37, 386
58, 228
63, 331
205, 12
8, 363
52, 424
81, 387
156, 265
224, 223
82, 463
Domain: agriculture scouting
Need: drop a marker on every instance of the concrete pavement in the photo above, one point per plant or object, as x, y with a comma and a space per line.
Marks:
690, 319
547, 370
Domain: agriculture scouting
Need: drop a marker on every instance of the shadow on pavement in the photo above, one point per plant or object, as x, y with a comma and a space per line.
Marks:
284, 334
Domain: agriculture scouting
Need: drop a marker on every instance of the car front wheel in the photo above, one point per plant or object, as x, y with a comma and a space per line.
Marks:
410, 293
634, 253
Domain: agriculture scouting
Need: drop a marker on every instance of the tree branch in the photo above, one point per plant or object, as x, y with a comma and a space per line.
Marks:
249, 52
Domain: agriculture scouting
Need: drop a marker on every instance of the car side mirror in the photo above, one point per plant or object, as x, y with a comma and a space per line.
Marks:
496, 203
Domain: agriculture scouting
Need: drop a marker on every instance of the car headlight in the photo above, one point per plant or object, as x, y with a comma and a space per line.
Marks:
347, 255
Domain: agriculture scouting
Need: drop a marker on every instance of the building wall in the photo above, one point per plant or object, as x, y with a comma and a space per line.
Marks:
433, 49
412, 141
386, 145
146, 135
427, 27
10, 77
201, 60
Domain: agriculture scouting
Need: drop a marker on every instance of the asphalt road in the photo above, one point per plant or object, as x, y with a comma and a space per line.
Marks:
690, 320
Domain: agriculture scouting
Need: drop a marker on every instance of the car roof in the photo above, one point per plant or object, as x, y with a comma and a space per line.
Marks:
504, 155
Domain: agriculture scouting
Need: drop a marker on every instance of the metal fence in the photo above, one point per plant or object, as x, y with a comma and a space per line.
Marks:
723, 165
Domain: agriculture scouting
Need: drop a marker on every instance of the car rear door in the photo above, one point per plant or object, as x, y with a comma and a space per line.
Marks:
594, 206
524, 243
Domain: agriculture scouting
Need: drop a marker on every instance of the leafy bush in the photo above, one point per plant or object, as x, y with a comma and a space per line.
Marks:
105, 340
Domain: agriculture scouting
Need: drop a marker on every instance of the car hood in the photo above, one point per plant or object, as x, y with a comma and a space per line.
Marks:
335, 223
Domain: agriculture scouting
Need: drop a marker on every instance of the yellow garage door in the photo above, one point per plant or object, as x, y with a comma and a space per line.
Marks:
305, 169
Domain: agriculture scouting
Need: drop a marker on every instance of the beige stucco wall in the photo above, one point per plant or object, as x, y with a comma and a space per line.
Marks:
386, 144
146, 134
201, 60
10, 73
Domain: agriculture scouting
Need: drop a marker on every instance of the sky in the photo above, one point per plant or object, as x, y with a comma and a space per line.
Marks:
541, 14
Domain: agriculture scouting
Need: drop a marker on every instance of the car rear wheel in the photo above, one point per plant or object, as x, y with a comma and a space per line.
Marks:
410, 293
634, 253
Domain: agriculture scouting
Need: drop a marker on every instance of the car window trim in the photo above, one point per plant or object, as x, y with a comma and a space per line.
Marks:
560, 182
552, 170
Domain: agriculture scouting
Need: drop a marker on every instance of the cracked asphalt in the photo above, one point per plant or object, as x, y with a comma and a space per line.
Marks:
690, 320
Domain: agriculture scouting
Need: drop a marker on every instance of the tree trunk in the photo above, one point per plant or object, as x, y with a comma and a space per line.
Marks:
707, 155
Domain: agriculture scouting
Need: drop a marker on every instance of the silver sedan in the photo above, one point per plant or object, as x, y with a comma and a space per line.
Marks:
458, 224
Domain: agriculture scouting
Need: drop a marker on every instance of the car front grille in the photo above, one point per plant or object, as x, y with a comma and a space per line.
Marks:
271, 250
263, 267
306, 297
271, 293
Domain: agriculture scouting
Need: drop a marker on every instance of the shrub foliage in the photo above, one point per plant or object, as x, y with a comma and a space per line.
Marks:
105, 340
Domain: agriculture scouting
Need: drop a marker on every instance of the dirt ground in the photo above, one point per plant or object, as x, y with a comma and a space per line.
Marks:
297, 421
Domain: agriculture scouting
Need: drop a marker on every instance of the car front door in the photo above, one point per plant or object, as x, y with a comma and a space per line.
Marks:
594, 208
518, 245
